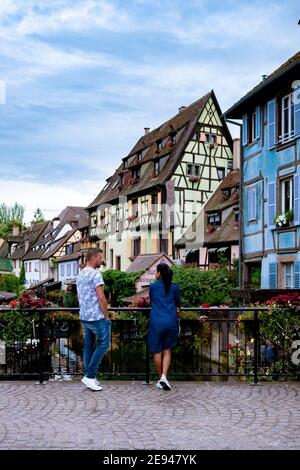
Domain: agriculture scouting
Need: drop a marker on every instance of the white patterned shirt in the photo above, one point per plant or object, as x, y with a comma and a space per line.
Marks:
87, 281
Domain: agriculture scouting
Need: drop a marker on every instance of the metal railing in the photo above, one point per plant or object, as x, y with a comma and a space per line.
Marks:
218, 343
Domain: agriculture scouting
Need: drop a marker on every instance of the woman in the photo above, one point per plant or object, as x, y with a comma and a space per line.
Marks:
164, 324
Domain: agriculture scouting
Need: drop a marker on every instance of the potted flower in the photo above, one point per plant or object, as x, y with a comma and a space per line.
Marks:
194, 178
283, 220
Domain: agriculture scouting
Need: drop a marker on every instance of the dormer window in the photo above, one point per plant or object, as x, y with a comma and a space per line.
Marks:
156, 167
159, 145
214, 219
121, 181
173, 139
125, 164
226, 194
140, 156
136, 173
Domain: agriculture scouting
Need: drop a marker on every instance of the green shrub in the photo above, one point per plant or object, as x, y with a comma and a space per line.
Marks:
197, 287
9, 283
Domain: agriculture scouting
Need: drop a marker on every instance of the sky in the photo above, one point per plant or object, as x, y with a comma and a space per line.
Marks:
80, 79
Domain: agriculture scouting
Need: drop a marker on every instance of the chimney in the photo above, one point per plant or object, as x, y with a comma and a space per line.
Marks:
264, 77
236, 153
55, 223
147, 130
16, 230
181, 109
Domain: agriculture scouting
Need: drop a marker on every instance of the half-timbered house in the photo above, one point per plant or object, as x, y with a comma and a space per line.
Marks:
162, 183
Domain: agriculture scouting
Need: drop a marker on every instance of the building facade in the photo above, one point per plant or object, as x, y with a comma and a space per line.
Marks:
271, 177
161, 185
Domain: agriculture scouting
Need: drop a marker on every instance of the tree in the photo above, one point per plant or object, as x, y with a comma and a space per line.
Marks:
22, 275
10, 216
38, 216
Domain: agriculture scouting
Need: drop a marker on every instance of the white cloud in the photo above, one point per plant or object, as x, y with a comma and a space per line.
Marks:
50, 198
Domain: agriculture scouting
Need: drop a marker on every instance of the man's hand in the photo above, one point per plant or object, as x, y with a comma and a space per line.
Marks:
102, 301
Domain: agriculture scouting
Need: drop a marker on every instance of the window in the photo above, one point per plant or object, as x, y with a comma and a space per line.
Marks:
121, 180
288, 275
286, 195
195, 136
111, 256
154, 203
221, 173
229, 164
136, 173
69, 249
214, 219
163, 243
125, 164
173, 139
62, 270
93, 220
156, 167
135, 208
211, 138
68, 269
118, 263
144, 206
75, 270
253, 135
287, 118
114, 184
104, 250
252, 204
136, 246
159, 145
140, 156
29, 266
236, 215
193, 170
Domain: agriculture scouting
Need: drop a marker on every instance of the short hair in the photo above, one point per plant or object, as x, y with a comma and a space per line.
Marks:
92, 252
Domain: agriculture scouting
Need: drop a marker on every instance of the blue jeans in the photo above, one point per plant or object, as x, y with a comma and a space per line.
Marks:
101, 331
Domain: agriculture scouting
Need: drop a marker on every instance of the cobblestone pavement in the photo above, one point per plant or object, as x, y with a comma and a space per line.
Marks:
131, 415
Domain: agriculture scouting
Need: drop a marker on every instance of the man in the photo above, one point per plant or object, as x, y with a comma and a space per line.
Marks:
94, 317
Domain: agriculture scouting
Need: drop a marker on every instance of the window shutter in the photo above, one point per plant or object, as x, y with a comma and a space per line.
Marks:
258, 122
273, 276
245, 130
271, 123
297, 199
272, 203
296, 98
297, 275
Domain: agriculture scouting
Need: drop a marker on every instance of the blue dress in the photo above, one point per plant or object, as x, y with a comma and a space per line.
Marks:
163, 324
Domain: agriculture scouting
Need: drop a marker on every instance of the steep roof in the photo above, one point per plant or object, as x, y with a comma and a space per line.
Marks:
279, 78
76, 216
143, 262
228, 232
217, 200
182, 124
30, 235
4, 249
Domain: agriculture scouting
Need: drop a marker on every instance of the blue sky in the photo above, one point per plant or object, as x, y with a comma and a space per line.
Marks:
84, 77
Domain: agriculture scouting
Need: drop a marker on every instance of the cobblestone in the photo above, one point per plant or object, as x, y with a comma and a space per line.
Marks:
131, 415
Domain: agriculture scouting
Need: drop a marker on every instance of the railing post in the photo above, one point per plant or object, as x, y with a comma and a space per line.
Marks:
41, 368
256, 336
147, 355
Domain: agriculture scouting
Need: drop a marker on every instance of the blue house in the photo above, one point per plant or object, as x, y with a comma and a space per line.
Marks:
270, 172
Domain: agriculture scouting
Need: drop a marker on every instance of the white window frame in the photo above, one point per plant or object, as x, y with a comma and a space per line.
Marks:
288, 277
282, 183
289, 133
252, 204
223, 172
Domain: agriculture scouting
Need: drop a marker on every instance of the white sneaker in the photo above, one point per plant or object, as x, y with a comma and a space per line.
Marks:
158, 385
91, 383
164, 383
97, 382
